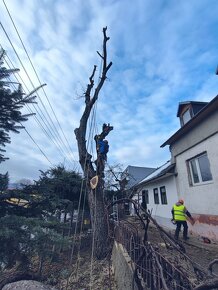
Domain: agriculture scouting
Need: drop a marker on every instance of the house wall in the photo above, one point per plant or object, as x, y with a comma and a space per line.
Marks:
202, 198
202, 131
161, 212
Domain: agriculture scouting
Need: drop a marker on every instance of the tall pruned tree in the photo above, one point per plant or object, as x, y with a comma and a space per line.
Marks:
11, 104
95, 196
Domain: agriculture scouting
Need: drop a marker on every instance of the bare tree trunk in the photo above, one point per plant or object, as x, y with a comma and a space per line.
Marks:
99, 223
95, 197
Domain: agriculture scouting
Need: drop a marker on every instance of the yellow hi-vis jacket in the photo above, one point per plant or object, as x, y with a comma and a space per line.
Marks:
179, 212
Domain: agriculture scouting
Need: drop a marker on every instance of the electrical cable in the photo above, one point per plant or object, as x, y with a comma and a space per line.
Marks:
38, 122
33, 138
51, 121
37, 119
15, 27
36, 144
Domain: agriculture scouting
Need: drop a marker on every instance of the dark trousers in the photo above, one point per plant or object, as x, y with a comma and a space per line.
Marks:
178, 228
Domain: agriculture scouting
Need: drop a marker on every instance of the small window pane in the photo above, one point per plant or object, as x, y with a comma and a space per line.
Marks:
163, 195
145, 196
186, 117
204, 168
194, 171
156, 196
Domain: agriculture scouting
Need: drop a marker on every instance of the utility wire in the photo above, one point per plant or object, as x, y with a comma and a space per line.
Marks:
39, 123
37, 145
36, 119
51, 136
12, 84
51, 121
15, 27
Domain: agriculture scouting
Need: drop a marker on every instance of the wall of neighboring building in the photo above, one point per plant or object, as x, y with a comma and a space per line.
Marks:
201, 199
161, 212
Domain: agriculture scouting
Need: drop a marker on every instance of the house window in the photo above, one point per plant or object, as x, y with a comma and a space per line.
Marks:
199, 167
186, 117
163, 195
145, 196
156, 196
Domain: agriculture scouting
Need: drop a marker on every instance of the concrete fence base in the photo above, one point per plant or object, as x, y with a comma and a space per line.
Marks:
123, 268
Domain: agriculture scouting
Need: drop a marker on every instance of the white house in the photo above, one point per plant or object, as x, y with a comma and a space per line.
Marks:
158, 190
191, 174
194, 149
131, 176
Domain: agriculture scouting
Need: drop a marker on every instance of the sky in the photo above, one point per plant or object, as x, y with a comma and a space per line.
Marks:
163, 52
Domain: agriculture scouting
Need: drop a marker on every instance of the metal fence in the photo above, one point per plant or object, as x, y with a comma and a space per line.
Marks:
152, 270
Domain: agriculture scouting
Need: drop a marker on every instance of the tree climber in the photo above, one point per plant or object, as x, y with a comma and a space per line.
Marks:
102, 148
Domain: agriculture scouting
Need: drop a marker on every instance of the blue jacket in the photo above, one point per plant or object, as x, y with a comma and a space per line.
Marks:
103, 147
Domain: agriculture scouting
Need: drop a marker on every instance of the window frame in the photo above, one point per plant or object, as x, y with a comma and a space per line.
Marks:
163, 195
156, 195
198, 169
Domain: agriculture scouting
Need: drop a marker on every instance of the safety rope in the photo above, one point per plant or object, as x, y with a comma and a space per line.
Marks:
90, 137
95, 200
84, 180
92, 127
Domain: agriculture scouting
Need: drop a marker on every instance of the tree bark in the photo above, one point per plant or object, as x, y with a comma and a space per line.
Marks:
95, 197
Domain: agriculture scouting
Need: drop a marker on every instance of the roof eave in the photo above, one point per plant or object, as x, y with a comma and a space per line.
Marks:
166, 172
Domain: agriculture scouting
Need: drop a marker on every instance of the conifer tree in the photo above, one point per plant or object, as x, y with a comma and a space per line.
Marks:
30, 225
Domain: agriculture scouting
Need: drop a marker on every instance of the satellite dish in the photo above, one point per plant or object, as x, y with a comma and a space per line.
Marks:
94, 182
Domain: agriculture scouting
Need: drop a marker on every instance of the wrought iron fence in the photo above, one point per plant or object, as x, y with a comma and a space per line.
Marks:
152, 270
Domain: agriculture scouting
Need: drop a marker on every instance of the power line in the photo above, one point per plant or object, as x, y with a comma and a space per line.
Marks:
56, 133
15, 27
36, 145
35, 117
12, 84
